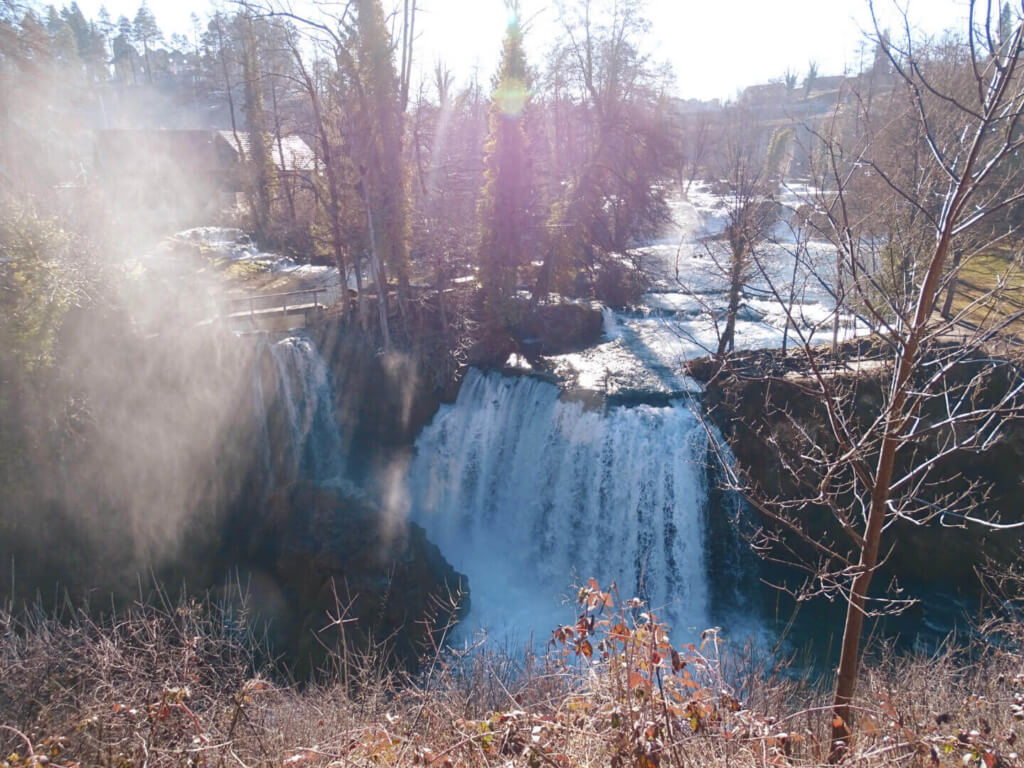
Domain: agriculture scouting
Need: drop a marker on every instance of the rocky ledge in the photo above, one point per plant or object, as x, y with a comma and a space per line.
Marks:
761, 404
333, 571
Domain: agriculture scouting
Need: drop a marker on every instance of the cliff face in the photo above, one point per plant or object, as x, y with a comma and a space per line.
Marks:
761, 409
384, 398
308, 542
317, 553
170, 469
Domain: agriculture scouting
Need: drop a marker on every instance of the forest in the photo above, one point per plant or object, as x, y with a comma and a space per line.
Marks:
359, 411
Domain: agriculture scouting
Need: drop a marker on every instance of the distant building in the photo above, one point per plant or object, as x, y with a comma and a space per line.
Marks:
185, 176
291, 154
767, 94
695, 106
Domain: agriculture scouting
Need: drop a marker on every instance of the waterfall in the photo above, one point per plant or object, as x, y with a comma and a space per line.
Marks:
313, 450
525, 492
610, 324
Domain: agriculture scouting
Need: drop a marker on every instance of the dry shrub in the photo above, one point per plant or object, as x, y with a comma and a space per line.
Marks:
189, 685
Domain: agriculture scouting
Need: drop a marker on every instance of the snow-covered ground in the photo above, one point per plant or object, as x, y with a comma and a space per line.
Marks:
235, 245
683, 315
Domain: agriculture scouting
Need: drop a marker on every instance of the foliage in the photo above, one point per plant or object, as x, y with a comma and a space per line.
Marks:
508, 224
610, 131
263, 181
45, 274
42, 275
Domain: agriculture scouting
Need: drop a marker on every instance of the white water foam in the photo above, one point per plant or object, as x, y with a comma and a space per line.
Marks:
524, 492
610, 324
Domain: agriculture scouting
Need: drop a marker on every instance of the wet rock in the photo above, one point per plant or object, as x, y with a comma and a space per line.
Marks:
760, 403
558, 327
382, 399
328, 554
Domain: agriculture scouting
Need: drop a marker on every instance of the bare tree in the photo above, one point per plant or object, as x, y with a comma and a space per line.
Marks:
750, 180
696, 144
899, 191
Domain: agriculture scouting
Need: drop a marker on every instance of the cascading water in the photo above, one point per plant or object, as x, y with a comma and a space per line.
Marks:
304, 392
610, 324
524, 492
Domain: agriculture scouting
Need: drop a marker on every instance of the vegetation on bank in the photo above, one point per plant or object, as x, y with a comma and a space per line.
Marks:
188, 684
990, 291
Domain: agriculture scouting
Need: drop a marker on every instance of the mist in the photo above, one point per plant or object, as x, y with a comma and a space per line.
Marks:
127, 414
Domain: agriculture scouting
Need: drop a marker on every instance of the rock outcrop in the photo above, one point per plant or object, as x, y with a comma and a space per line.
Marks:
319, 555
759, 406
559, 326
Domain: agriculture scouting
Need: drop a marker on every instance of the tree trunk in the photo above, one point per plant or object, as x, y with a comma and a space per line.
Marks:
364, 315
727, 342
954, 281
334, 196
280, 152
227, 88
375, 267
849, 658
895, 430
441, 282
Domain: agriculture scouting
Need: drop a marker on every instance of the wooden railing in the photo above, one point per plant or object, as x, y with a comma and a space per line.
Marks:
291, 302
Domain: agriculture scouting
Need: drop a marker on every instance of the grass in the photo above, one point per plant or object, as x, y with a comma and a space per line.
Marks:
993, 280
184, 686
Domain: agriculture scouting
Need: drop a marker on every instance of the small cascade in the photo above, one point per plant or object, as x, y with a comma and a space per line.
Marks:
314, 450
610, 324
525, 493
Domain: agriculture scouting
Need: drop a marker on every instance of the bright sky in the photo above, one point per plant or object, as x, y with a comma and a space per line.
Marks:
716, 47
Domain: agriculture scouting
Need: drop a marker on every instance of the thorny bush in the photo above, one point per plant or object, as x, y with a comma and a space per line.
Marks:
183, 686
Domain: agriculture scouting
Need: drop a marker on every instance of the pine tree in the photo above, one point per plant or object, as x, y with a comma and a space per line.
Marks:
123, 52
509, 192
105, 28
383, 171
1006, 22
146, 31
261, 164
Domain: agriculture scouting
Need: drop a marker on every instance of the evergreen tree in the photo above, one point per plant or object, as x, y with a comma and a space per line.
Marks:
75, 19
509, 193
146, 31
105, 29
811, 78
261, 164
36, 50
1007, 21
383, 170
123, 52
104, 25
63, 40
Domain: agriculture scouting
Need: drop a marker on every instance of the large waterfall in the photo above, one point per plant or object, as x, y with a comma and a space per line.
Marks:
525, 492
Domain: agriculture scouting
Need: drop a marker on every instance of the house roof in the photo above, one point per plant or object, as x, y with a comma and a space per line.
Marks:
297, 154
